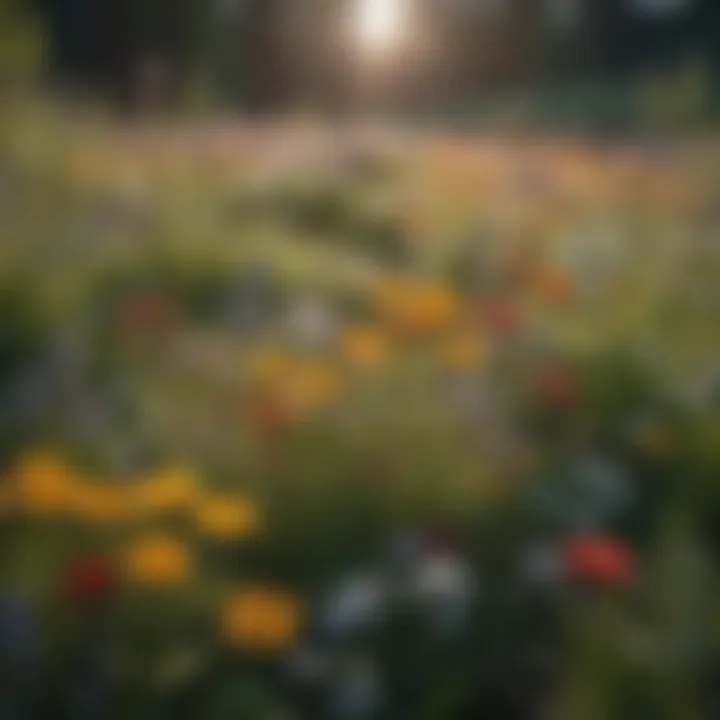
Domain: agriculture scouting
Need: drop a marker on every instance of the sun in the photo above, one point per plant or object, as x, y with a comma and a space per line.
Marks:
379, 22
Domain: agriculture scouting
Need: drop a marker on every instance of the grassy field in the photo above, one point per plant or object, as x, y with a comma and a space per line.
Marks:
355, 423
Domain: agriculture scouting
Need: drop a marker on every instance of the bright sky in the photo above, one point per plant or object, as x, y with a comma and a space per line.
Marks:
380, 22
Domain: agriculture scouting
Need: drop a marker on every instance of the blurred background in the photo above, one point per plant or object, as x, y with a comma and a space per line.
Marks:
359, 359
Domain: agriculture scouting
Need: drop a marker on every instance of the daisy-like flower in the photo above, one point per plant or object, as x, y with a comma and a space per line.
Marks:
413, 308
365, 347
158, 561
261, 619
101, 504
313, 325
227, 518
45, 486
356, 604
447, 584
170, 490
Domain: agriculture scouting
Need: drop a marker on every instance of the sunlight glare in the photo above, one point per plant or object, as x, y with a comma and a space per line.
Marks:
379, 22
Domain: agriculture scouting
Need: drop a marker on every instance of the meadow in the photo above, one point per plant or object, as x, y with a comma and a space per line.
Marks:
315, 422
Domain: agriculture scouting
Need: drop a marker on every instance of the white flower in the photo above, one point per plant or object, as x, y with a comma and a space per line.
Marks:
445, 582
312, 324
444, 576
357, 603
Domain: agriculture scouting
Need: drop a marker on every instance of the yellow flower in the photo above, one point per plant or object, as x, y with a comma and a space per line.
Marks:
158, 560
269, 367
365, 347
261, 619
312, 385
101, 504
225, 518
44, 484
170, 491
463, 353
417, 308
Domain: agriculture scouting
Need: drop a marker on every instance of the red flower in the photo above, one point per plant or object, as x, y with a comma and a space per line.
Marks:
90, 579
501, 318
557, 387
599, 561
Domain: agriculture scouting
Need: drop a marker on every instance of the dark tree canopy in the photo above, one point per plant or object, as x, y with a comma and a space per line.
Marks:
256, 57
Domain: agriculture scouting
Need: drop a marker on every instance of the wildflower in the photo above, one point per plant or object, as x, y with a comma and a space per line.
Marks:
100, 504
92, 578
599, 561
158, 560
226, 518
311, 386
416, 308
445, 582
365, 347
171, 490
261, 619
44, 485
313, 325
357, 603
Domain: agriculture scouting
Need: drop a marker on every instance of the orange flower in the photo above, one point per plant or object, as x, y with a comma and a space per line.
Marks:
261, 619
171, 490
311, 386
158, 560
417, 308
44, 485
365, 347
556, 286
100, 504
226, 518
